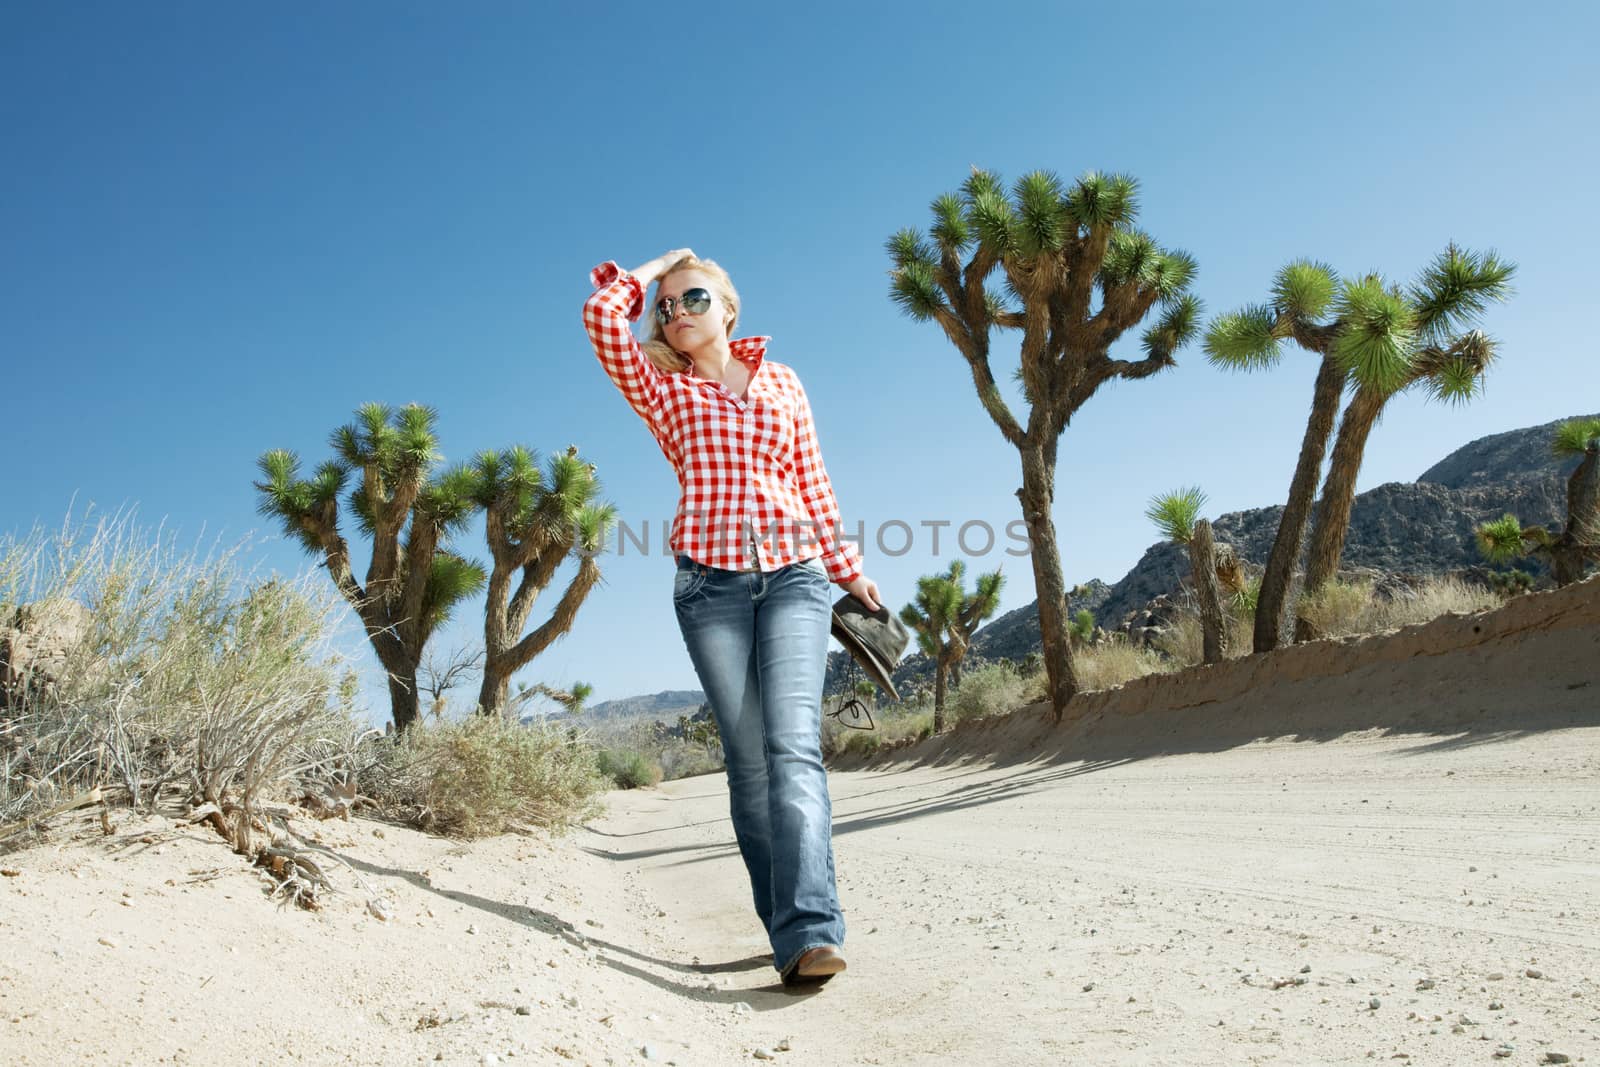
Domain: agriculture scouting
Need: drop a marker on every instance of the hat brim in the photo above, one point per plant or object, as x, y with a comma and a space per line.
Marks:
869, 660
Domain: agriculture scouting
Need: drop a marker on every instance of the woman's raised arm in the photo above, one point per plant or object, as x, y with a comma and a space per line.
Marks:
618, 300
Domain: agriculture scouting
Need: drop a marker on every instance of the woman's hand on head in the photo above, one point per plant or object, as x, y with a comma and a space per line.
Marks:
865, 590
658, 266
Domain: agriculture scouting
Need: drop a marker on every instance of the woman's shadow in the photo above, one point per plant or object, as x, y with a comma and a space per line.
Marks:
761, 998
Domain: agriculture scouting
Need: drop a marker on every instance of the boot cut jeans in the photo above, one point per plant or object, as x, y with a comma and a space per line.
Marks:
759, 643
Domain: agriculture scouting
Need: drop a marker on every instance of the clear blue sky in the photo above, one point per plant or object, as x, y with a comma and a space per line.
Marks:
223, 227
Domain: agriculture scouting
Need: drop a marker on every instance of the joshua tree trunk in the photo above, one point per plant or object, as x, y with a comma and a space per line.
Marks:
403, 698
504, 655
1036, 494
938, 697
1203, 561
1580, 541
1339, 494
1302, 492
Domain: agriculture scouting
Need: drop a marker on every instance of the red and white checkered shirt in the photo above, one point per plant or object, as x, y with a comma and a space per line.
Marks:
755, 492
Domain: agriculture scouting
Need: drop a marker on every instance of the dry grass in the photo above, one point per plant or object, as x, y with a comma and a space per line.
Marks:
187, 683
1184, 639
1343, 609
896, 725
182, 678
1114, 663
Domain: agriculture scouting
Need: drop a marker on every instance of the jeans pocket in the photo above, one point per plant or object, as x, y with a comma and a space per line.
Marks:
687, 582
815, 566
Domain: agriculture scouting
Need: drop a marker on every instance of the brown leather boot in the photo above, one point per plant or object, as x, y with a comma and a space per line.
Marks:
815, 966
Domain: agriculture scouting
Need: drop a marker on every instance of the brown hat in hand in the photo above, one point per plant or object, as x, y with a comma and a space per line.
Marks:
876, 640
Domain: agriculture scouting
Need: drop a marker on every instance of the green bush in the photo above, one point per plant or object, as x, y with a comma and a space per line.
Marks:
994, 689
866, 742
629, 770
485, 775
660, 746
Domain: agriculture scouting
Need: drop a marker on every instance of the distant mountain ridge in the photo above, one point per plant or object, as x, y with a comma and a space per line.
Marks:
665, 705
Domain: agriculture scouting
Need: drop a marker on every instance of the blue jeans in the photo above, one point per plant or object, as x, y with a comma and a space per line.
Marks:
759, 642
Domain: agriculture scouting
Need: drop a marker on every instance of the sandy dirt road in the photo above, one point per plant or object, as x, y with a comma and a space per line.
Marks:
1398, 892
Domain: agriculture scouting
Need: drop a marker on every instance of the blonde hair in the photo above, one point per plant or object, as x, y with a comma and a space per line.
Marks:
656, 346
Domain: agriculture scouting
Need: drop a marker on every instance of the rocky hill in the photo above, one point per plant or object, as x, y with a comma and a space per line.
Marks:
664, 706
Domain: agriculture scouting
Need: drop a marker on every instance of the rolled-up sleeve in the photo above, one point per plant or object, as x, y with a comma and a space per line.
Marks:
841, 557
617, 301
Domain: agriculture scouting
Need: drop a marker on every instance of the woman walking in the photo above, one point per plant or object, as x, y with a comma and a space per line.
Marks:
758, 547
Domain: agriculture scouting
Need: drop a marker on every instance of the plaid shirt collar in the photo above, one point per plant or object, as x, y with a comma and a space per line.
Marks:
751, 351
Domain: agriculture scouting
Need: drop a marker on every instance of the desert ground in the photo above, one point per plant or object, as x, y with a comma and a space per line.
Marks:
1375, 850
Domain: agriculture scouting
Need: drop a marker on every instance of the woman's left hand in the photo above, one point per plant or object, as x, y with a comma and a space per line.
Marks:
865, 590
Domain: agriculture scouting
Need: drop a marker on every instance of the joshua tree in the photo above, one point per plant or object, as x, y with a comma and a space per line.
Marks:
414, 580
1380, 337
1177, 514
1578, 545
534, 520
1451, 294
1078, 276
701, 729
1082, 628
944, 618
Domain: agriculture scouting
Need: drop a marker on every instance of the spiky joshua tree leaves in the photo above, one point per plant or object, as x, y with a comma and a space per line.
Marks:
1578, 545
1385, 340
534, 520
1076, 275
944, 617
1177, 516
414, 580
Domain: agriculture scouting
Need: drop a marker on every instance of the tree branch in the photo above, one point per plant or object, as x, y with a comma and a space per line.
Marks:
560, 620
536, 576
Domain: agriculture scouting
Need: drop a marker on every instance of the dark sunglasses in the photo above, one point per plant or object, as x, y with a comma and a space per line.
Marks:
694, 301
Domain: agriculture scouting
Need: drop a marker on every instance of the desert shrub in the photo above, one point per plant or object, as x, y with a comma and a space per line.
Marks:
1184, 637
659, 744
993, 689
914, 723
628, 770
1339, 608
1036, 682
1510, 583
1342, 609
1115, 662
895, 725
173, 675
687, 760
484, 775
